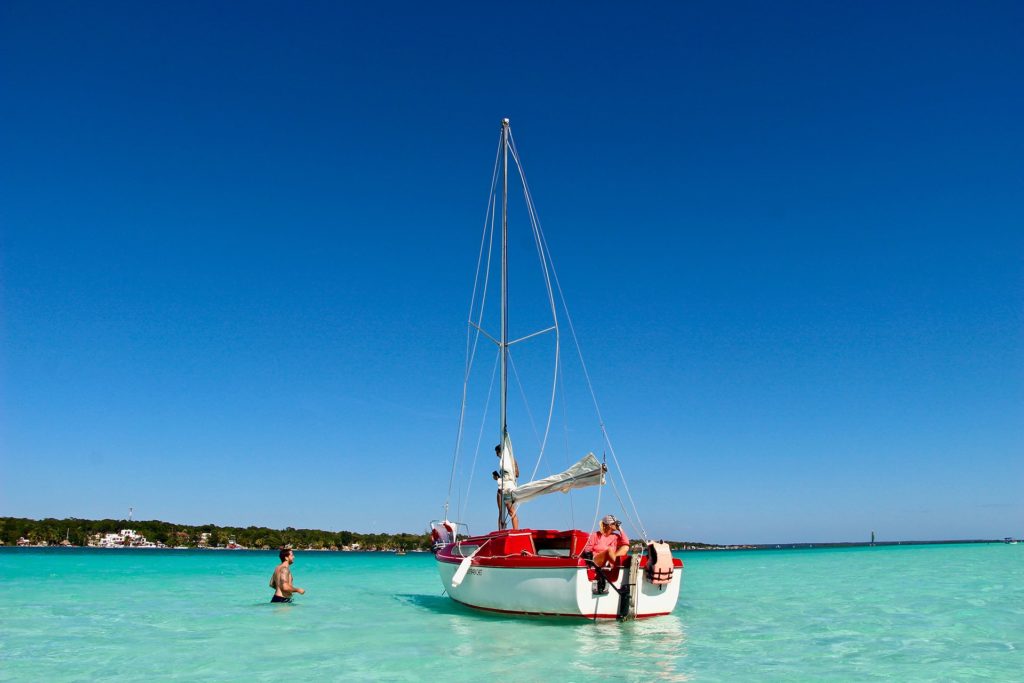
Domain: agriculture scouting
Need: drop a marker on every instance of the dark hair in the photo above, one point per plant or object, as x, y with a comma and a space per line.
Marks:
285, 552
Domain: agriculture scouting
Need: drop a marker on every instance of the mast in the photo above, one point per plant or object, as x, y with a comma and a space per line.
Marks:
502, 518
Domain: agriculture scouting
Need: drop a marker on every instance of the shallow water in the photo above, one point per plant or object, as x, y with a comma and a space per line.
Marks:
907, 613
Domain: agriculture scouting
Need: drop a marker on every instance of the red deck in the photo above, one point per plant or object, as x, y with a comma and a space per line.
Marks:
528, 548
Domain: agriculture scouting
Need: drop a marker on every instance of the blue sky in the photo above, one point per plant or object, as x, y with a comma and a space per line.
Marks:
237, 247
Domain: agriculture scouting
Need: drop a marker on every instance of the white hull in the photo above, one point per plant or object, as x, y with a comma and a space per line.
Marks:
553, 591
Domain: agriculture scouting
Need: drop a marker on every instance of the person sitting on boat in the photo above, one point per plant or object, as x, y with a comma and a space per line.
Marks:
609, 544
506, 476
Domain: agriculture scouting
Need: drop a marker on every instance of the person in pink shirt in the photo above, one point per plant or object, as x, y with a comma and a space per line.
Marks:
608, 544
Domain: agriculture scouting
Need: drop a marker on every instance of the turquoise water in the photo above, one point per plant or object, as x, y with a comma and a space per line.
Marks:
908, 613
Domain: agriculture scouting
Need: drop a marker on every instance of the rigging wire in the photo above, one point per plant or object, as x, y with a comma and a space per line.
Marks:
480, 435
472, 341
522, 392
546, 262
563, 396
572, 329
544, 258
472, 346
597, 510
635, 523
593, 396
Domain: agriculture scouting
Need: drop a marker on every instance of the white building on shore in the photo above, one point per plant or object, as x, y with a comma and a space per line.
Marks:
126, 538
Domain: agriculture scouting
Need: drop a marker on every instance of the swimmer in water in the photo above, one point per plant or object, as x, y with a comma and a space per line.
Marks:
281, 581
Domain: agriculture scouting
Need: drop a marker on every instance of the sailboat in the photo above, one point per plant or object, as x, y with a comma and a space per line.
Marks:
541, 572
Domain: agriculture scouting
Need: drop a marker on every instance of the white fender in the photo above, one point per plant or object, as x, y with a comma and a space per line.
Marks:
464, 566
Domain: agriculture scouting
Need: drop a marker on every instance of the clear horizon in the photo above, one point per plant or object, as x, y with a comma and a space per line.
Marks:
237, 249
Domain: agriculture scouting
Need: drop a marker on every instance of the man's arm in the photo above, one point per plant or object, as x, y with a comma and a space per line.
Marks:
286, 583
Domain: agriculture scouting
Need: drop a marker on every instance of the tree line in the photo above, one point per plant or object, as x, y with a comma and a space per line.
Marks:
80, 531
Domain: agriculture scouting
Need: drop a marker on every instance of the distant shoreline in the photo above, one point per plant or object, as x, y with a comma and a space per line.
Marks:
844, 544
681, 547
74, 532
157, 534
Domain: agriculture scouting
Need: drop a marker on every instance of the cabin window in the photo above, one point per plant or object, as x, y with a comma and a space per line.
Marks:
553, 547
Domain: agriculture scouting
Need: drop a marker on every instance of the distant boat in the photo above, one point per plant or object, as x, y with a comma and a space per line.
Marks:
400, 551
234, 545
536, 571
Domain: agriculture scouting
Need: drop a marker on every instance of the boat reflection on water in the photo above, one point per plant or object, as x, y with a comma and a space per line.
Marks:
656, 647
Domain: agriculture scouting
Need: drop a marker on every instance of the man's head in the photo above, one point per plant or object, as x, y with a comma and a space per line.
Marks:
286, 555
610, 522
497, 450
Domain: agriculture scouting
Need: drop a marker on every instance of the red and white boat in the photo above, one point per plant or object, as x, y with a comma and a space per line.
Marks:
542, 573
533, 571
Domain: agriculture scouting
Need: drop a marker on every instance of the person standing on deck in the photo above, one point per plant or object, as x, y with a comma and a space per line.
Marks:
506, 476
281, 581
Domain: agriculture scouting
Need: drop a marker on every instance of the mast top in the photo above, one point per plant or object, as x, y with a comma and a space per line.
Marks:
504, 122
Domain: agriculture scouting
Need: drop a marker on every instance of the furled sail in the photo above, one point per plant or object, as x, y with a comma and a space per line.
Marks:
587, 472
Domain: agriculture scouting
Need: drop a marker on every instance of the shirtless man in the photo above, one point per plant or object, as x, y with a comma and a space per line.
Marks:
281, 581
